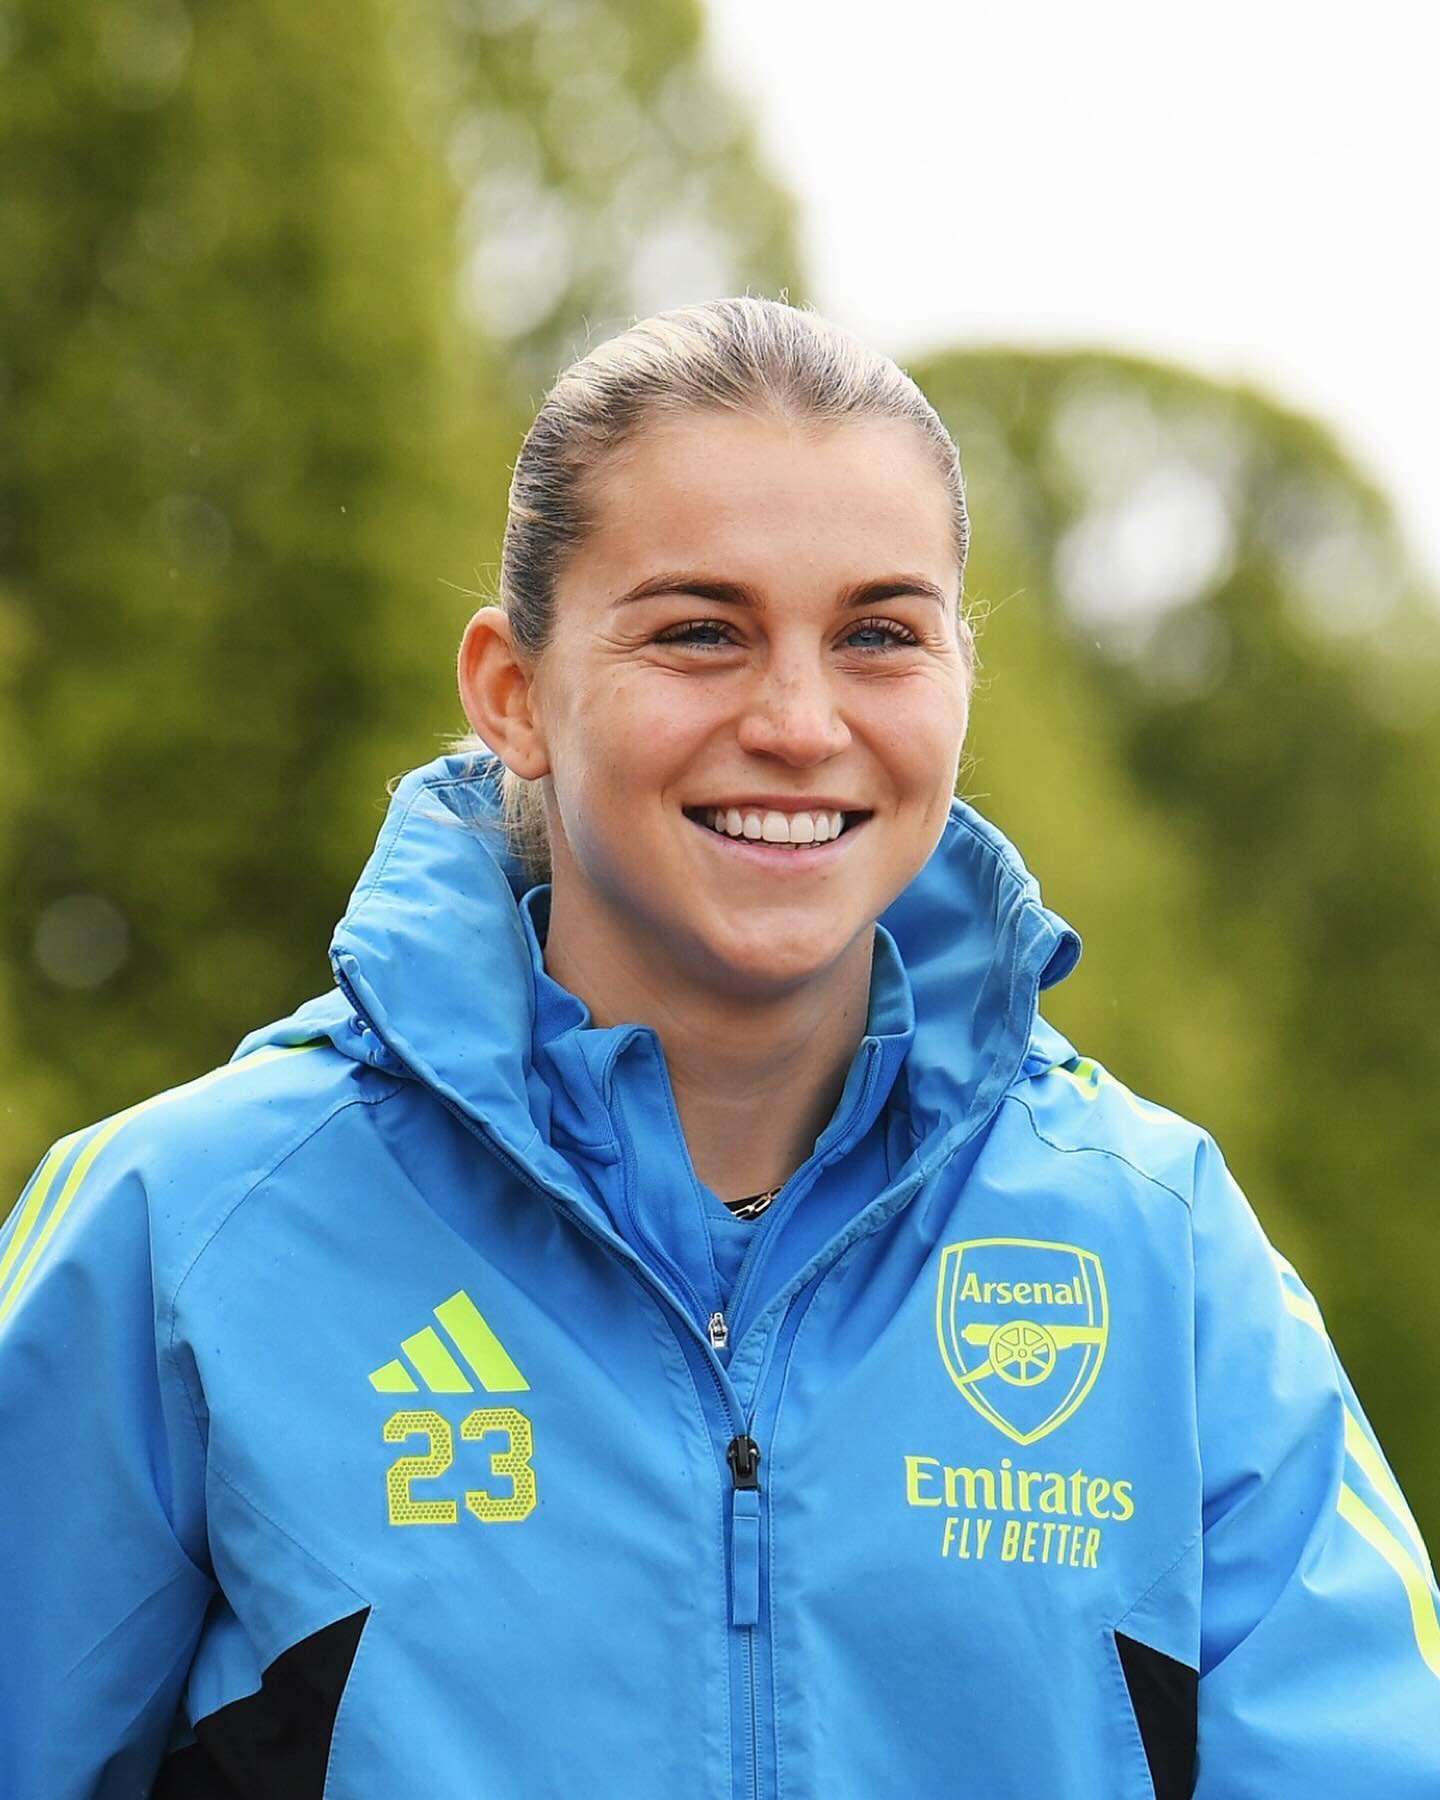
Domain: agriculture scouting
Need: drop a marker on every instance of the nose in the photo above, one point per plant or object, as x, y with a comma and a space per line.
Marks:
792, 714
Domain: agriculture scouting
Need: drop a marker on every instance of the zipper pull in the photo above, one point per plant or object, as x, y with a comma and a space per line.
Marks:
743, 1456
719, 1332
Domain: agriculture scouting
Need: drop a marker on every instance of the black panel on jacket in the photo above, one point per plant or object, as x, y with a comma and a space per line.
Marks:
1166, 1697
274, 1744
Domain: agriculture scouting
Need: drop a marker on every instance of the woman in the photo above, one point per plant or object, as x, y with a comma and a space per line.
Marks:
675, 1319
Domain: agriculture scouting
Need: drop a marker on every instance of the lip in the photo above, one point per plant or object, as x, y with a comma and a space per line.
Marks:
782, 803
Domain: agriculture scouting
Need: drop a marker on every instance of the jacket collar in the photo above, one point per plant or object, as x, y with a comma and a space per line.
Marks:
433, 957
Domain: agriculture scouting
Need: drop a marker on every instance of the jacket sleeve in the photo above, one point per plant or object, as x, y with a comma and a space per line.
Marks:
102, 1579
1320, 1637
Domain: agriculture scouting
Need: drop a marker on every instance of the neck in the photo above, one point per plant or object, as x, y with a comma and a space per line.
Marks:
755, 1079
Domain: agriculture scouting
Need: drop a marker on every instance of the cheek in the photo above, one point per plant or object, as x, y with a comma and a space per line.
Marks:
638, 731
920, 737
616, 758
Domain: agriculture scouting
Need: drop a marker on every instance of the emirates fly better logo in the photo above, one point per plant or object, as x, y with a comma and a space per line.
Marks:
1022, 1326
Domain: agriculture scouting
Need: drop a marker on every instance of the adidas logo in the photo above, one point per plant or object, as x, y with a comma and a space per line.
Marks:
485, 1356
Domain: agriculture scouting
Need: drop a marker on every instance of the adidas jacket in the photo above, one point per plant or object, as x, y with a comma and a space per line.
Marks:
377, 1419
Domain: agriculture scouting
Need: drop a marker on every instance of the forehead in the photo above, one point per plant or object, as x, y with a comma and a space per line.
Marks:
764, 498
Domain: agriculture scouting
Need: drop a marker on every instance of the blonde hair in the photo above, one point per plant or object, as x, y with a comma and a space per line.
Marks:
745, 355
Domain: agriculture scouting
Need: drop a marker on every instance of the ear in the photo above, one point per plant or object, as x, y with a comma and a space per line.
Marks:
496, 690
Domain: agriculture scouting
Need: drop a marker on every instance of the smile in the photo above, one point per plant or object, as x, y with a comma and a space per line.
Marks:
775, 829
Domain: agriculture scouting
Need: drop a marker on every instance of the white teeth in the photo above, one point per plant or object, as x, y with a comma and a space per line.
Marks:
773, 827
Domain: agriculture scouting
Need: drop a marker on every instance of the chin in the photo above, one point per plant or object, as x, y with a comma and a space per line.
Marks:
774, 966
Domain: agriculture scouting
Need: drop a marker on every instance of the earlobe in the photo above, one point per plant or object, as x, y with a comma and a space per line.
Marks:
496, 691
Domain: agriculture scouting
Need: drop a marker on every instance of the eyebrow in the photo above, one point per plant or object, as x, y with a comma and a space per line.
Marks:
737, 593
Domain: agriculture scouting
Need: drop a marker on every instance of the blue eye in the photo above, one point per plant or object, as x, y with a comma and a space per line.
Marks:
704, 634
882, 634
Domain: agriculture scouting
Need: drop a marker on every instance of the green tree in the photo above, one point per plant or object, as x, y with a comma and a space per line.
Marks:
243, 442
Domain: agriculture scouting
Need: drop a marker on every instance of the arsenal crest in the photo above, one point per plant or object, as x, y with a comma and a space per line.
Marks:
1022, 1327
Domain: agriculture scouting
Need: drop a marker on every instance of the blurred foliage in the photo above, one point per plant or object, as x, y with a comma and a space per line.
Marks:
606, 174
280, 290
242, 438
1210, 717
255, 447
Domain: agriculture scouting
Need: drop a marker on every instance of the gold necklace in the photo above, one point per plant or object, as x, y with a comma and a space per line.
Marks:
753, 1205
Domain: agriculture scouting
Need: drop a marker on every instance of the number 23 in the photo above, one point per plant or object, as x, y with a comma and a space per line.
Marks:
513, 1463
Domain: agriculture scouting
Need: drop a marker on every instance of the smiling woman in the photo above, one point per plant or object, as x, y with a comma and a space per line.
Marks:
675, 1318
744, 757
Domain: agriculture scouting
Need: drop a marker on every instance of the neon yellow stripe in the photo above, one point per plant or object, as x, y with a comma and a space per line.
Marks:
30, 1212
1088, 1077
394, 1378
1422, 1605
434, 1364
103, 1136
480, 1347
1088, 1089
1304, 1309
1384, 1483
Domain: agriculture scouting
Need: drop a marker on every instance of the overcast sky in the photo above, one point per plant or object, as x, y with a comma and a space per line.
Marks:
1250, 187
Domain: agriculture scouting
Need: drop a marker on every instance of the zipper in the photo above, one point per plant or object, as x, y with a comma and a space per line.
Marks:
743, 1456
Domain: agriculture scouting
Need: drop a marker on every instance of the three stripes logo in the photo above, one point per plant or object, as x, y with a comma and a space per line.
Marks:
436, 1365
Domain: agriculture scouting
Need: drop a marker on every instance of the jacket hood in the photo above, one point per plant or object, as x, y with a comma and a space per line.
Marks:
435, 978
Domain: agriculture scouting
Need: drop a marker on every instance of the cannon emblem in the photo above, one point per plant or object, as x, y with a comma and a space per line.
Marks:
1023, 1326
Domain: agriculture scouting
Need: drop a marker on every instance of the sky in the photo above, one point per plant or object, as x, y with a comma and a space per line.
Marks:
1248, 188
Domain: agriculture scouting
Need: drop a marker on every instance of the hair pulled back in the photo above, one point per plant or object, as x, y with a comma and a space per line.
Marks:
744, 355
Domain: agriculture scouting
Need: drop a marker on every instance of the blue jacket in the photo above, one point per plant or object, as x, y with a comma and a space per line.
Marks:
391, 1412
